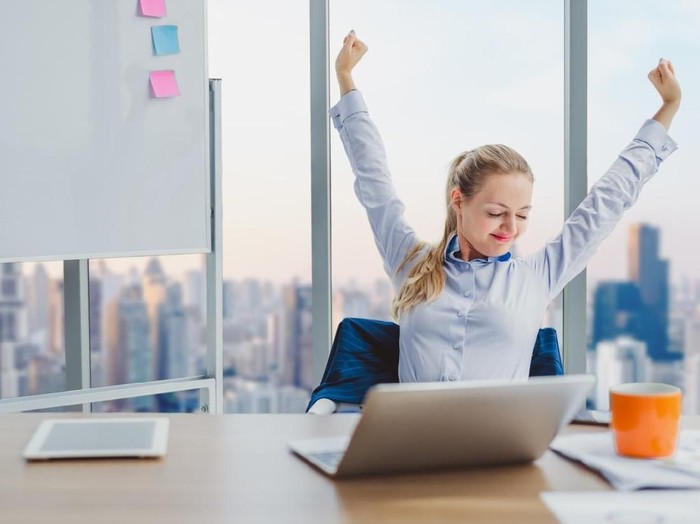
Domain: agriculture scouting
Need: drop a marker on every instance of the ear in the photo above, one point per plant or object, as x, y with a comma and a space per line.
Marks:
455, 200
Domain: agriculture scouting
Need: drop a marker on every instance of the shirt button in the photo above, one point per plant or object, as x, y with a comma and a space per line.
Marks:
456, 346
459, 313
467, 266
664, 147
467, 293
451, 378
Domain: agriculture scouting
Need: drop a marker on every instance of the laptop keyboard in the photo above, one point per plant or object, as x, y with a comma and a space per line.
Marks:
328, 458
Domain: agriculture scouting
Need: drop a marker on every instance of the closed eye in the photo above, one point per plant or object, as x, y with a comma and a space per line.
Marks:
521, 217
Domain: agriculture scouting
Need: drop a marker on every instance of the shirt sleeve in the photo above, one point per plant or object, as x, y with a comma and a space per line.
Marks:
373, 185
565, 256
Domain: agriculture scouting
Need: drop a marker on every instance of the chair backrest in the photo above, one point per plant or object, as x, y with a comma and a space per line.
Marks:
365, 352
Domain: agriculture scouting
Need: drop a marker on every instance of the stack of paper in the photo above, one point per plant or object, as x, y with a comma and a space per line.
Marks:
667, 506
597, 451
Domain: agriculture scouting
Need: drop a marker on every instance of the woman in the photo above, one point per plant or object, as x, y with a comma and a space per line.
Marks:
467, 309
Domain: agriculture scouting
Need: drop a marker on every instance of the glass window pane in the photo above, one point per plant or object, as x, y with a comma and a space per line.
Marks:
32, 354
440, 78
263, 61
147, 320
643, 282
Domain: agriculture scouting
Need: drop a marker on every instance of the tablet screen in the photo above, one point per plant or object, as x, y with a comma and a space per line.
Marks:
73, 438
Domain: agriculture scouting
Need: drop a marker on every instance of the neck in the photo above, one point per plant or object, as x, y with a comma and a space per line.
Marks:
466, 250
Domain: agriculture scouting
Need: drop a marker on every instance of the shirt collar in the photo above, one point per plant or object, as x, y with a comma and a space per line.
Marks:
453, 248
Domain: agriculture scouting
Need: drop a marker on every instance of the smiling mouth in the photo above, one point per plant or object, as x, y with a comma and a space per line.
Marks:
502, 239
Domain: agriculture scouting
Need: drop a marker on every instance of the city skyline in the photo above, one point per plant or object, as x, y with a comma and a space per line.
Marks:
150, 326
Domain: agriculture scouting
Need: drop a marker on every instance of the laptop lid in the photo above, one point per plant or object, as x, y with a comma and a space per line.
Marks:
430, 426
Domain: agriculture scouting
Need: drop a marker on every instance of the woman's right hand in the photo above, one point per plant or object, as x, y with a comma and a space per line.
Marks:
350, 54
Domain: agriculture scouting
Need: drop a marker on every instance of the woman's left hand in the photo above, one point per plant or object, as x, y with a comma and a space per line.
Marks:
663, 77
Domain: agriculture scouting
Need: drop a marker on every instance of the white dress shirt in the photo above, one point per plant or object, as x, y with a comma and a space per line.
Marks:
484, 323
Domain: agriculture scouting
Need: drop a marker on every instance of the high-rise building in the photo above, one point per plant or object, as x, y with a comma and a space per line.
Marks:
195, 291
173, 338
619, 361
13, 325
650, 273
38, 300
154, 290
297, 369
55, 325
691, 393
134, 342
617, 310
95, 314
13, 313
227, 298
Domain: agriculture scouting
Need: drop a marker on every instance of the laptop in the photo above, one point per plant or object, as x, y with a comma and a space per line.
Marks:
450, 425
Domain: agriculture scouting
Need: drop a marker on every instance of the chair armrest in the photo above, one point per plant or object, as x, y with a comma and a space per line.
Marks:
323, 406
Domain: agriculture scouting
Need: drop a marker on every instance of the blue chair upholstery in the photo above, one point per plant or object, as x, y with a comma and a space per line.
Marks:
365, 352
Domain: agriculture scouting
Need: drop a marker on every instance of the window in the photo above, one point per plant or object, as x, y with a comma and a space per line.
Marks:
32, 355
263, 61
439, 78
643, 282
147, 323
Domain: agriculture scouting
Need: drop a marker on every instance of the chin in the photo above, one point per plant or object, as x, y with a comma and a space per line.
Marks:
497, 251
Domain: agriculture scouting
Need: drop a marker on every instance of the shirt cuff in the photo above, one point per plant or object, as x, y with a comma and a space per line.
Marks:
654, 134
349, 104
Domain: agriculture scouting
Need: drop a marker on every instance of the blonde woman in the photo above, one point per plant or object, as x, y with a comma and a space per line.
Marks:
467, 309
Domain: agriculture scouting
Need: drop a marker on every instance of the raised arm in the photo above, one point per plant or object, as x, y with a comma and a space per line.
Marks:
365, 150
567, 255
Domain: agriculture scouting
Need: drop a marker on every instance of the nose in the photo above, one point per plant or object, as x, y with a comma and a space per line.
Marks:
508, 225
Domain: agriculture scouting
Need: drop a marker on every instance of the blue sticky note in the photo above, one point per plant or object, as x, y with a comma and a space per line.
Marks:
165, 40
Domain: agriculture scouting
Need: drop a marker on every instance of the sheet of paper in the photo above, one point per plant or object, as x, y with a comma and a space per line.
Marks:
164, 84
597, 451
165, 41
663, 506
152, 8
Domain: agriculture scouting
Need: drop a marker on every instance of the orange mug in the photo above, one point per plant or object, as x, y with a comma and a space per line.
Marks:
645, 419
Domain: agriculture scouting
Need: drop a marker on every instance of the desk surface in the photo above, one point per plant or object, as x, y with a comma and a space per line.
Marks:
237, 469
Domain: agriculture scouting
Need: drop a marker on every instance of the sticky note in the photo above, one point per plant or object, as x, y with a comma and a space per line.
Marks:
153, 8
164, 84
165, 40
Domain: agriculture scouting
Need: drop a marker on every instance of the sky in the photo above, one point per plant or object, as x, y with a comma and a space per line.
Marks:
440, 77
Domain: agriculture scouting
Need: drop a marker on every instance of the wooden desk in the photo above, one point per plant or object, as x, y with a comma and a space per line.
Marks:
237, 469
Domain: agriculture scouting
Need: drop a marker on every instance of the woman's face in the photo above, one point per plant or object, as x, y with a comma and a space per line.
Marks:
495, 216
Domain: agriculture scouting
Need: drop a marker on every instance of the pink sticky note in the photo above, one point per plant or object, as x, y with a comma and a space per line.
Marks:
154, 8
164, 84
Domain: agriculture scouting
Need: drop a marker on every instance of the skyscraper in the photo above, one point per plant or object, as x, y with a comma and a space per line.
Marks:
13, 324
619, 361
173, 338
154, 291
12, 308
618, 310
134, 341
37, 300
650, 273
297, 369
95, 312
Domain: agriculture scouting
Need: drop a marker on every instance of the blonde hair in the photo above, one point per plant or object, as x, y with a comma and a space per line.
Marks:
468, 172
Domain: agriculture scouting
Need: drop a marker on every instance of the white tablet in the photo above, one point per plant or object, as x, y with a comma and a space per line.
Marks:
98, 437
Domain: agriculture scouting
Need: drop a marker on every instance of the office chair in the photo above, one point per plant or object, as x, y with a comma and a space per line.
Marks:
365, 352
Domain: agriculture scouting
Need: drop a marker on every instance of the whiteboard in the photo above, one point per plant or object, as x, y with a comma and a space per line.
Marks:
90, 165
